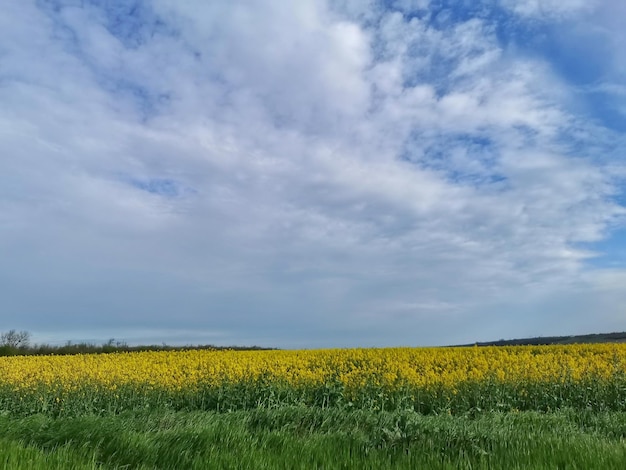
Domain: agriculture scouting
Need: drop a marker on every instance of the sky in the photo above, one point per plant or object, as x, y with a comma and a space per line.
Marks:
312, 174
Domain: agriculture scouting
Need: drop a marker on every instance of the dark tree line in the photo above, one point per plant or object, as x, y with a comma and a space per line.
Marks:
13, 343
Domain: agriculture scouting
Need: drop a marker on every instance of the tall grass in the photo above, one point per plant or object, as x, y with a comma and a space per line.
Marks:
15, 455
297, 437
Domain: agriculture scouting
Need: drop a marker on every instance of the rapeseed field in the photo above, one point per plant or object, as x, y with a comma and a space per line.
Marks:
426, 380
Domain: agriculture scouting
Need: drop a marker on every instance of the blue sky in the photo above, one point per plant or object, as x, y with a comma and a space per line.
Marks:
315, 174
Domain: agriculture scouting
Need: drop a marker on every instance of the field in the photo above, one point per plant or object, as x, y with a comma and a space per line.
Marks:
493, 407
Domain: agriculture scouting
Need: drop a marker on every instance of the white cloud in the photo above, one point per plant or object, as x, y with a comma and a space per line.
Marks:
328, 175
550, 8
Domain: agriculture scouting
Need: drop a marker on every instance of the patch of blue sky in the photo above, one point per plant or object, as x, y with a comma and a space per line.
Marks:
132, 23
55, 6
440, 157
605, 109
620, 198
582, 58
610, 252
437, 74
60, 30
147, 102
495, 182
444, 15
165, 187
408, 11
579, 56
439, 12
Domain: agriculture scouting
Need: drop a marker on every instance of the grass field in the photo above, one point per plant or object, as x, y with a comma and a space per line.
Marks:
518, 407
306, 438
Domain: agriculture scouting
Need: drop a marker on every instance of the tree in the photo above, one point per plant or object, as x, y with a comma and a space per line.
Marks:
15, 339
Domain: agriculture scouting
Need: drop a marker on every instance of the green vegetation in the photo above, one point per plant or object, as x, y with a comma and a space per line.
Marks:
547, 340
470, 397
15, 455
17, 343
56, 421
299, 437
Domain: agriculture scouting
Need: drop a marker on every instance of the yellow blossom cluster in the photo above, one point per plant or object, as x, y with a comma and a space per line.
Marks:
387, 368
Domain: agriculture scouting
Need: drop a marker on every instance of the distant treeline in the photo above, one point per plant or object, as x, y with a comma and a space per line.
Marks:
547, 340
14, 343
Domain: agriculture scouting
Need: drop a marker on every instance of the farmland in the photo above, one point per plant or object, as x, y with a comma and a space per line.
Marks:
491, 407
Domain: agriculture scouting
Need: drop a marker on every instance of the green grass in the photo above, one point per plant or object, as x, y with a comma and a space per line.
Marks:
15, 455
309, 438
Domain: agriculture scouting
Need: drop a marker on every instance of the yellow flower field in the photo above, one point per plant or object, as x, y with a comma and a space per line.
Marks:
431, 377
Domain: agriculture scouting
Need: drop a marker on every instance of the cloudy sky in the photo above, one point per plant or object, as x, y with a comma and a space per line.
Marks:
312, 173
